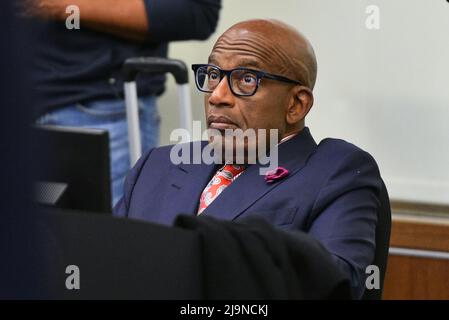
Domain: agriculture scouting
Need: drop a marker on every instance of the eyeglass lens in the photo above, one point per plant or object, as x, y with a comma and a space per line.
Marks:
242, 81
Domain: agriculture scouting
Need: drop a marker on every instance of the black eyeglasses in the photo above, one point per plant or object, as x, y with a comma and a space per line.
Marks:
242, 81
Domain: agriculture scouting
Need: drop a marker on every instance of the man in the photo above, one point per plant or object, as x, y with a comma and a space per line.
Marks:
78, 66
261, 75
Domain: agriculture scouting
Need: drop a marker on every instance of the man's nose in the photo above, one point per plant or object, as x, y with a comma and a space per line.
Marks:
222, 95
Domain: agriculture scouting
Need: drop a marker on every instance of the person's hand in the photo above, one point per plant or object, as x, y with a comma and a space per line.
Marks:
45, 9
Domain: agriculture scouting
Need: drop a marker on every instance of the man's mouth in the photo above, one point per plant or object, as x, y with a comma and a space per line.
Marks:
220, 123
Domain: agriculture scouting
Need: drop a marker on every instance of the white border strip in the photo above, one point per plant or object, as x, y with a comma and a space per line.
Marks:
419, 253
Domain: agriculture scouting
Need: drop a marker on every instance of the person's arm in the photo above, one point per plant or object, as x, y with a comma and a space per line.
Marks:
123, 18
122, 207
171, 20
345, 216
137, 20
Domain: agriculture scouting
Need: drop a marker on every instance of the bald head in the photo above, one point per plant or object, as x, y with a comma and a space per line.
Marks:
276, 103
281, 48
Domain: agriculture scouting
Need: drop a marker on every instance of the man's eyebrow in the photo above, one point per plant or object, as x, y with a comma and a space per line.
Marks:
249, 63
211, 59
241, 63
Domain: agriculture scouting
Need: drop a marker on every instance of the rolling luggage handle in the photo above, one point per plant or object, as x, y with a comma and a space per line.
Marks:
131, 68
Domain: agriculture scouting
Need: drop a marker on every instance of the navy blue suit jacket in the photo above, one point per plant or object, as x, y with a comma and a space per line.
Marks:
331, 192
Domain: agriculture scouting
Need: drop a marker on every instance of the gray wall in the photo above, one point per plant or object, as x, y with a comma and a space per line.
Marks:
386, 90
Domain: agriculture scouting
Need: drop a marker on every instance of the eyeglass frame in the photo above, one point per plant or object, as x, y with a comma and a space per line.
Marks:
227, 73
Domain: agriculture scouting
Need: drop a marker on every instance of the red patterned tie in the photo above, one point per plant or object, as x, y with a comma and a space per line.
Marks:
219, 182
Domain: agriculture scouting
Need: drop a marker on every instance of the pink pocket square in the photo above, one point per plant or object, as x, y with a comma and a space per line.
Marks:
279, 173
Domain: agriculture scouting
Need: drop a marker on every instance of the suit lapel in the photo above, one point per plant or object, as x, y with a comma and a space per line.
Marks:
185, 183
251, 186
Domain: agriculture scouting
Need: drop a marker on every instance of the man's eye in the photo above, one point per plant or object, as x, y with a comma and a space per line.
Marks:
249, 79
213, 75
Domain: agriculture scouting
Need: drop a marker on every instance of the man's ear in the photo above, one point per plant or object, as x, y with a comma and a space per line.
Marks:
300, 103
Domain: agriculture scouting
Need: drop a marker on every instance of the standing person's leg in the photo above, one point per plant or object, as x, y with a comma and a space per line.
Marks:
111, 115
149, 122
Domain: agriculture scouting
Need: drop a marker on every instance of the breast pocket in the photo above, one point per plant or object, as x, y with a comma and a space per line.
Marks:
280, 217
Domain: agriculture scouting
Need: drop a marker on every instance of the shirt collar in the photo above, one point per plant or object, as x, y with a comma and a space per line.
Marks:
288, 137
284, 139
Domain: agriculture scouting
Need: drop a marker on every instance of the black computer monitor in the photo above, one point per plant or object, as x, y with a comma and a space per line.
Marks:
72, 168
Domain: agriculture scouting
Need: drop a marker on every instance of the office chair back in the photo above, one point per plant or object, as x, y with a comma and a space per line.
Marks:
382, 243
